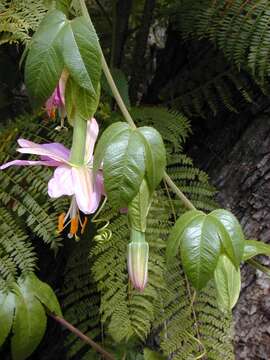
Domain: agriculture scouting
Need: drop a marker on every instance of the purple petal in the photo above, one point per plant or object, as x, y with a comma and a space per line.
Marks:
61, 183
57, 149
92, 134
53, 151
29, 163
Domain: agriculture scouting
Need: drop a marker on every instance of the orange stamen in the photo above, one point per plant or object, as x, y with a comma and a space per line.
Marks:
74, 226
61, 222
84, 224
52, 113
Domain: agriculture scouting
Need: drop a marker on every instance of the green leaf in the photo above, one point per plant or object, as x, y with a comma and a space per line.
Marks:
152, 355
139, 207
108, 136
44, 63
231, 234
7, 306
79, 102
43, 293
155, 156
79, 46
63, 5
29, 323
175, 237
254, 247
227, 282
200, 249
124, 167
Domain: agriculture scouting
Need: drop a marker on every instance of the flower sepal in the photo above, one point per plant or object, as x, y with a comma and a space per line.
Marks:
138, 253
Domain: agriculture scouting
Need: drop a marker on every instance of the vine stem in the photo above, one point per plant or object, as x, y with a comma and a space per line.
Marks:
127, 115
82, 336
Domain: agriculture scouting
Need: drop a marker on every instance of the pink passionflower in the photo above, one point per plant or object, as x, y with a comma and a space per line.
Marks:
68, 179
57, 100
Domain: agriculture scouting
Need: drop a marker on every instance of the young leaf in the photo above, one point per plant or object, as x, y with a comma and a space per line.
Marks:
138, 208
200, 249
7, 306
155, 156
253, 248
175, 237
106, 138
227, 282
231, 234
44, 293
44, 63
124, 167
79, 102
79, 47
29, 323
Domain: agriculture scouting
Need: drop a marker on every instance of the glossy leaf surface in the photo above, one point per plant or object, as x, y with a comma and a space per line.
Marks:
200, 249
29, 323
44, 63
106, 138
7, 307
254, 247
173, 244
124, 167
155, 156
231, 234
227, 282
139, 207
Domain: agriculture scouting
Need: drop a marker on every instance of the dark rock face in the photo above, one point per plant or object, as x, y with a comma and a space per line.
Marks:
244, 188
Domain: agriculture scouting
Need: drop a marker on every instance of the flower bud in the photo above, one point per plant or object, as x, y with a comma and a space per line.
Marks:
138, 264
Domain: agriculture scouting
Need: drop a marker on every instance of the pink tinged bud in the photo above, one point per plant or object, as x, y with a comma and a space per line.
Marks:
138, 264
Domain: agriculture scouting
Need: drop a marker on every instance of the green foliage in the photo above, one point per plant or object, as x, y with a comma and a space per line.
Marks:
231, 235
240, 29
190, 326
126, 313
71, 44
80, 299
129, 155
200, 90
254, 247
19, 18
227, 282
201, 239
22, 310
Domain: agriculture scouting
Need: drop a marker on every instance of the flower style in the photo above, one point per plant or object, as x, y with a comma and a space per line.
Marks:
68, 179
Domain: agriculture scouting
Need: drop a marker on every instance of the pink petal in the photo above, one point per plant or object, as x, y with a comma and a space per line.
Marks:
29, 163
87, 199
100, 183
54, 151
61, 183
61, 89
92, 134
55, 148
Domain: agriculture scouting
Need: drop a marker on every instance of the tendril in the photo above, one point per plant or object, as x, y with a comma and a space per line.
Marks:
103, 233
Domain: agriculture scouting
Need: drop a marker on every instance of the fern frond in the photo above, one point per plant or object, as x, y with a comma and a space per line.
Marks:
80, 298
240, 29
19, 19
198, 89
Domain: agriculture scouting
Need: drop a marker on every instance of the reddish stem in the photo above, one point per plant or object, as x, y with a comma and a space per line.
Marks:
82, 336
